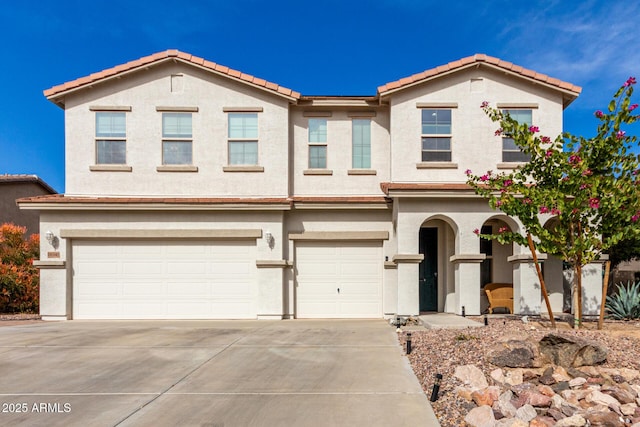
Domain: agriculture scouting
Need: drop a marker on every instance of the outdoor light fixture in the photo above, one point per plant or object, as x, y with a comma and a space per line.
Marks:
408, 342
486, 320
269, 239
49, 236
463, 313
436, 388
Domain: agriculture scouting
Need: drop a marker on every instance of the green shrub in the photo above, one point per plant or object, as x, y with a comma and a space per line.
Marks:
624, 305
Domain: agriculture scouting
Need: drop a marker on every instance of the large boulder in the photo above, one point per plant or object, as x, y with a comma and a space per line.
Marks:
569, 351
514, 353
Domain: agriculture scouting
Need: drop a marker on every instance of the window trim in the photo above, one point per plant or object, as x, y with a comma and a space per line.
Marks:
246, 111
353, 142
514, 107
317, 144
97, 138
424, 136
176, 166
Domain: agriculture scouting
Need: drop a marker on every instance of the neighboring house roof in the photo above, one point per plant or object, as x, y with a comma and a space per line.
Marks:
481, 59
56, 92
6, 178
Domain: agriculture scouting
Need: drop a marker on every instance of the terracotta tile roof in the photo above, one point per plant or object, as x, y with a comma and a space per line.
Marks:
61, 198
340, 199
419, 186
171, 54
6, 178
478, 59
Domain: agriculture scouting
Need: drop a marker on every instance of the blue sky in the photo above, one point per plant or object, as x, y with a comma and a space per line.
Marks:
332, 47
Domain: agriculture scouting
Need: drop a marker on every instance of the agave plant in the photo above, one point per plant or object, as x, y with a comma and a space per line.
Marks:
625, 305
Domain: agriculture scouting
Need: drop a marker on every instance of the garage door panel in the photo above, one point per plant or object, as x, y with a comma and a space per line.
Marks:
353, 267
156, 280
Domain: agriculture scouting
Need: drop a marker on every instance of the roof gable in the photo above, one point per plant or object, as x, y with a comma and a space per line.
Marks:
571, 91
56, 92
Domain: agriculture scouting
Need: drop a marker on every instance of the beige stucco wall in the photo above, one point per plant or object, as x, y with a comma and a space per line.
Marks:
339, 154
143, 92
9, 211
474, 145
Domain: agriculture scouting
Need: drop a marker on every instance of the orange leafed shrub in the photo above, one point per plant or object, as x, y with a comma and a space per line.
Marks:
19, 280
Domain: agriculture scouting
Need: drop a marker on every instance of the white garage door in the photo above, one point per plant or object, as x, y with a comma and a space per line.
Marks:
338, 280
164, 280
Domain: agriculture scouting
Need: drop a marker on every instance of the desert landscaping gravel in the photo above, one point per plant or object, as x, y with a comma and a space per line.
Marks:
442, 350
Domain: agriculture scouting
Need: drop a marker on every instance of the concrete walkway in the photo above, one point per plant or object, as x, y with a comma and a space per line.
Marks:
447, 321
208, 373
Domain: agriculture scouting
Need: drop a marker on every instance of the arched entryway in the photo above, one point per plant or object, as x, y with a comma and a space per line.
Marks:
436, 242
495, 268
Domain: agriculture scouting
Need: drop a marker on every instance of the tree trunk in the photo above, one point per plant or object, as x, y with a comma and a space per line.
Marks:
605, 285
578, 282
543, 287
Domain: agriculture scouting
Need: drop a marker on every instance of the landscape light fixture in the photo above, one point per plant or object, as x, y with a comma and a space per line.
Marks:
436, 388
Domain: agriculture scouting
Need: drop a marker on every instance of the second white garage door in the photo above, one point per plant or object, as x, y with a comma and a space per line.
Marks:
338, 280
164, 280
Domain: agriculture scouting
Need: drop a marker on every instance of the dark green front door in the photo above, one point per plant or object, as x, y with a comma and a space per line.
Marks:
428, 274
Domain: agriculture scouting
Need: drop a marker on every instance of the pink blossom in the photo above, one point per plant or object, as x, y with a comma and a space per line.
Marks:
565, 179
584, 186
630, 81
507, 182
575, 211
545, 139
526, 201
599, 114
476, 231
620, 134
534, 129
502, 229
587, 172
498, 132
544, 209
468, 172
636, 172
549, 153
498, 203
484, 177
635, 217
633, 107
574, 158
594, 203
484, 104
555, 211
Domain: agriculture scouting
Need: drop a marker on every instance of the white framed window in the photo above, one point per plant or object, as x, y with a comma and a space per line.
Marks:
317, 143
243, 138
177, 139
111, 138
361, 143
511, 153
436, 135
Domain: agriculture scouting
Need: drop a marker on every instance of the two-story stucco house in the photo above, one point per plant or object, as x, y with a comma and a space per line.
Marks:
197, 191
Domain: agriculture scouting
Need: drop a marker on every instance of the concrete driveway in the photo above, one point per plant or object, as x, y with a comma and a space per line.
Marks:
208, 373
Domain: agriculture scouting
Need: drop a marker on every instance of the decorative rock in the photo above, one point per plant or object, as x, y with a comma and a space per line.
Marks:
603, 419
504, 405
620, 394
577, 382
561, 386
526, 413
482, 416
560, 374
471, 376
565, 350
557, 401
464, 393
486, 396
628, 409
572, 421
591, 371
514, 377
603, 399
513, 354
542, 422
511, 422
539, 400
497, 375
556, 414
546, 390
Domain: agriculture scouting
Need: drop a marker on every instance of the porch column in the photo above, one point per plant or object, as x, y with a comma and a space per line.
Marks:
467, 282
55, 298
527, 294
408, 283
592, 275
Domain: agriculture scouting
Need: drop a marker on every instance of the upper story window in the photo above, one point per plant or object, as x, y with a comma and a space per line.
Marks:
177, 139
510, 151
111, 138
243, 138
361, 143
436, 135
317, 143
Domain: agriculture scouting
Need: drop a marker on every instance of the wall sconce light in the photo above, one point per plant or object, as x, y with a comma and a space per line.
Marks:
51, 238
269, 239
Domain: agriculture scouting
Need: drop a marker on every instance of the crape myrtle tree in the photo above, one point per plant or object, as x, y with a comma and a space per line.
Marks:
576, 197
